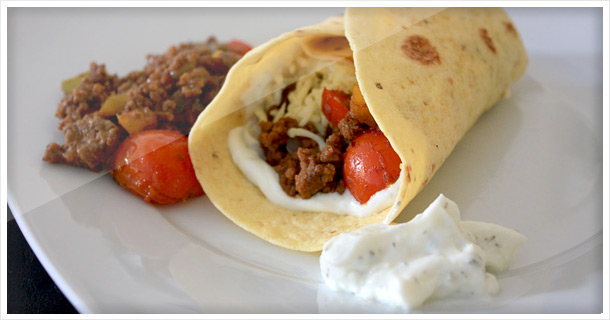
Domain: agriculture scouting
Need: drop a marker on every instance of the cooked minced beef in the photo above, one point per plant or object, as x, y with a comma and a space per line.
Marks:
88, 96
169, 93
303, 168
93, 140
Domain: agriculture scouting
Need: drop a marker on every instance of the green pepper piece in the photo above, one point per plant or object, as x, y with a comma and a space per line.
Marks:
113, 105
70, 84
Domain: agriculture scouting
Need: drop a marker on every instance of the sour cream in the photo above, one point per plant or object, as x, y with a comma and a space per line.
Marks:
433, 256
249, 157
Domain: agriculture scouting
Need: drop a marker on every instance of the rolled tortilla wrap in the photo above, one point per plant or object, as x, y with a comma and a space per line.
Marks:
426, 76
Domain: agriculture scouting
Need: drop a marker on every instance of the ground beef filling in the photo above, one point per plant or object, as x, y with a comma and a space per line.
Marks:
169, 93
303, 168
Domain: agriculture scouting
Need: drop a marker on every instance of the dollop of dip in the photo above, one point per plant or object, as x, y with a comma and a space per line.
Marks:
433, 256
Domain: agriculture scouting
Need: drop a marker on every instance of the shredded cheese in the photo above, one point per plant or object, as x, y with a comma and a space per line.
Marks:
294, 132
260, 114
281, 112
305, 101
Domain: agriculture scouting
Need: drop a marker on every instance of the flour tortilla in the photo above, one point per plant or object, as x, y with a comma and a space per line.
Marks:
426, 75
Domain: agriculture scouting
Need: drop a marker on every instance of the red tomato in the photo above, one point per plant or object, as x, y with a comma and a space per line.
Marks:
370, 165
239, 47
155, 165
334, 105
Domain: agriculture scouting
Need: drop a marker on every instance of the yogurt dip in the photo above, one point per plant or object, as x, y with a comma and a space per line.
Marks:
433, 256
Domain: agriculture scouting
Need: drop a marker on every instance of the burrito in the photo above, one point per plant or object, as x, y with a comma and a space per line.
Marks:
338, 125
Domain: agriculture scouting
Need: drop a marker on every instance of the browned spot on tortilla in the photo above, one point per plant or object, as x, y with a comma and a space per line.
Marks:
411, 81
450, 80
328, 43
426, 181
433, 166
510, 28
408, 176
487, 39
214, 155
409, 169
418, 48
378, 85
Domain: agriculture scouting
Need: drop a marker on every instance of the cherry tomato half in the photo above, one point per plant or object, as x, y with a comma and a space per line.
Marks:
239, 47
155, 165
334, 105
370, 165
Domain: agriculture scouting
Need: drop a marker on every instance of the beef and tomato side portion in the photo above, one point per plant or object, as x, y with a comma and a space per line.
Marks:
100, 110
102, 114
357, 155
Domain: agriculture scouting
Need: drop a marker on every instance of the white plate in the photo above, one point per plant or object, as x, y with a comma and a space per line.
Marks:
533, 163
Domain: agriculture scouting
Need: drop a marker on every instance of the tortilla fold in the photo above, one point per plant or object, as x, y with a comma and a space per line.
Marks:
427, 74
